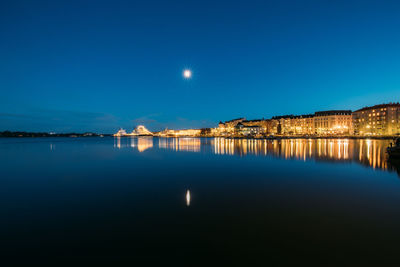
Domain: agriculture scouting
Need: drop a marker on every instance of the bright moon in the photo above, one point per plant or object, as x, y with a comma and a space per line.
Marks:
187, 74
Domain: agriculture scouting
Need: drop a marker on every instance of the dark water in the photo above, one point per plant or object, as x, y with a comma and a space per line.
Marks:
188, 201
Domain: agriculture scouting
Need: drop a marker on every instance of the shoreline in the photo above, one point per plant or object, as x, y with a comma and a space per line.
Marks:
9, 134
225, 137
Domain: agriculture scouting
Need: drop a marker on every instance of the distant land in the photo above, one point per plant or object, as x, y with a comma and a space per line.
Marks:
43, 134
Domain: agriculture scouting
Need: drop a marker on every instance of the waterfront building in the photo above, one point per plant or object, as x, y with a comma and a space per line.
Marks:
166, 132
333, 122
228, 127
283, 124
242, 129
304, 124
262, 125
178, 133
273, 127
188, 132
293, 125
381, 119
215, 131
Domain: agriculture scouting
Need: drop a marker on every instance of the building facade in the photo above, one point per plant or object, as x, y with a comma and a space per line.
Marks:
262, 125
252, 130
381, 119
228, 127
179, 133
333, 122
293, 125
242, 126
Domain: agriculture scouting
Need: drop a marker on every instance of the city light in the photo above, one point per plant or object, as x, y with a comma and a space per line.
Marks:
322, 123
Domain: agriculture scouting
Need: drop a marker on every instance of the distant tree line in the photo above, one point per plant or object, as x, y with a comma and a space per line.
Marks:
32, 134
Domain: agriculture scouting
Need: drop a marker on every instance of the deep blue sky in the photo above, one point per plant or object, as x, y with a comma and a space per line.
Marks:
101, 65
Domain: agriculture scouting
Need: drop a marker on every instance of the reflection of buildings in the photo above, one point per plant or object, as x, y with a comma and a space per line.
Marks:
117, 142
180, 144
367, 152
141, 143
371, 153
377, 120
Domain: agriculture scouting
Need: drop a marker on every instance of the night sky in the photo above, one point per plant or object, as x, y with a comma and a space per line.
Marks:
100, 65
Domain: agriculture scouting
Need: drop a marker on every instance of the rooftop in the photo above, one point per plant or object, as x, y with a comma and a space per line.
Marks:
380, 106
257, 120
291, 116
333, 112
238, 119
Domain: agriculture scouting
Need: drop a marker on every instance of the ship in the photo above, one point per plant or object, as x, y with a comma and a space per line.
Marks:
138, 131
120, 133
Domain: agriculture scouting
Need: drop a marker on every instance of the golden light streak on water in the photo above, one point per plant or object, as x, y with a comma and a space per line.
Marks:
188, 198
366, 151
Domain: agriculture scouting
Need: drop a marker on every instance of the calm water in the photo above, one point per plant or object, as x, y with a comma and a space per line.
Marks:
193, 201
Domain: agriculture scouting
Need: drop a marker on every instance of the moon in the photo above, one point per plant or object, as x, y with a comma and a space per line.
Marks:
187, 74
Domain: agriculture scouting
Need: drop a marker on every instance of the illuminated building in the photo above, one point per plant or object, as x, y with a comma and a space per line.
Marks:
333, 122
283, 124
304, 124
215, 131
242, 126
242, 129
376, 120
381, 119
188, 132
228, 127
177, 133
293, 125
262, 125
273, 127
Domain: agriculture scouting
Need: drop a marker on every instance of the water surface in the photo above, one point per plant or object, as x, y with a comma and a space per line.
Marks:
194, 201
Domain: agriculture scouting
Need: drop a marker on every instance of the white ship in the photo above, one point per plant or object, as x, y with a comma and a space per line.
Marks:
121, 132
139, 131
